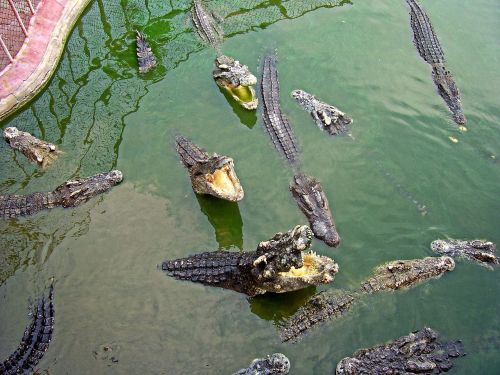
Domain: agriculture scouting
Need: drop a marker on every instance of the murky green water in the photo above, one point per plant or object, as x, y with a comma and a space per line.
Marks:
394, 186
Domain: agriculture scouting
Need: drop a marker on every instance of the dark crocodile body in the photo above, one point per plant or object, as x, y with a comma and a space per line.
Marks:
35, 341
430, 50
321, 307
189, 152
276, 123
68, 194
145, 57
479, 251
312, 201
276, 364
419, 352
268, 269
205, 25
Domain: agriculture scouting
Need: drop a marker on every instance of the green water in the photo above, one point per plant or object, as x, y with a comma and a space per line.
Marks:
394, 185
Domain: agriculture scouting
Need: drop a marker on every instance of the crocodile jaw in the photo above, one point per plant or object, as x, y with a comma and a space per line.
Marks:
316, 270
243, 95
221, 183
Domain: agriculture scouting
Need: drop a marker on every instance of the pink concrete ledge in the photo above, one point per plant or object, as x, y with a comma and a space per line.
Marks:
37, 59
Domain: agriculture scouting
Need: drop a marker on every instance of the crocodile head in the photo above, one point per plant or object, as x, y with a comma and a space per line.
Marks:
448, 90
477, 250
216, 176
283, 265
74, 192
36, 150
237, 80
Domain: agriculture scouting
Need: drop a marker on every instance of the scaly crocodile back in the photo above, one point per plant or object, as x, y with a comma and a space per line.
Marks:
145, 57
224, 269
276, 123
189, 153
24, 205
35, 341
205, 25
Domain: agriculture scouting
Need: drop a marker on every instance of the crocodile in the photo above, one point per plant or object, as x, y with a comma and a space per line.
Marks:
276, 123
36, 150
278, 265
236, 79
323, 306
482, 252
332, 304
35, 341
145, 57
69, 194
326, 116
213, 175
205, 25
430, 50
420, 352
274, 364
312, 201
406, 273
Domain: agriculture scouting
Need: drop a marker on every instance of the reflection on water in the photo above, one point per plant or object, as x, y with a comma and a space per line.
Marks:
279, 306
248, 118
226, 219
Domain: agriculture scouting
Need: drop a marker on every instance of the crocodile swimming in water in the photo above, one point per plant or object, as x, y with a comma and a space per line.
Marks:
326, 116
419, 352
205, 25
236, 79
145, 57
35, 341
36, 150
312, 201
278, 265
276, 123
69, 194
430, 50
213, 175
479, 251
275, 364
333, 304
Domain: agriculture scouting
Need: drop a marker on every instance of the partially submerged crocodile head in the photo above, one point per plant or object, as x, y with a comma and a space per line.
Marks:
213, 175
36, 150
275, 364
75, 192
448, 90
237, 80
279, 265
482, 252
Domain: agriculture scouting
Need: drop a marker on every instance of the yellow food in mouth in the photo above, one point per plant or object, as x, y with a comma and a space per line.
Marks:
223, 180
308, 269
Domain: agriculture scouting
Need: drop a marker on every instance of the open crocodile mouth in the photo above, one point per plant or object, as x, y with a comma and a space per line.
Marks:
225, 183
313, 266
245, 95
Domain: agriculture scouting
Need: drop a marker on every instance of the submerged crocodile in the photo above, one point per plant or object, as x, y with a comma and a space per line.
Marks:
312, 201
274, 364
145, 57
418, 353
237, 80
213, 175
332, 304
205, 25
276, 123
35, 341
36, 150
278, 265
69, 194
482, 252
326, 116
430, 50
406, 273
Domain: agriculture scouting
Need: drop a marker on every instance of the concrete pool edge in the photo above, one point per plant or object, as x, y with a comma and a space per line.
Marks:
38, 58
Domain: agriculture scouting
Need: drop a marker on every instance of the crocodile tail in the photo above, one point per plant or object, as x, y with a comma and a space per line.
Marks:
36, 338
145, 57
212, 268
189, 153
